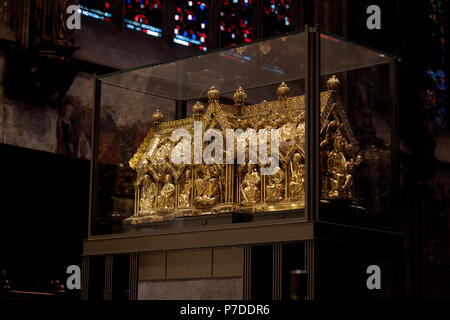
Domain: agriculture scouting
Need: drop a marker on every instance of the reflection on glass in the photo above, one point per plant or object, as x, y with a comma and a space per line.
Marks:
277, 17
359, 166
97, 9
369, 110
145, 16
126, 118
191, 23
236, 22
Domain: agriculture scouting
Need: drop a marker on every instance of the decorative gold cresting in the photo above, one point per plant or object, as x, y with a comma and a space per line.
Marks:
165, 190
213, 99
333, 83
240, 97
213, 94
157, 118
283, 91
197, 110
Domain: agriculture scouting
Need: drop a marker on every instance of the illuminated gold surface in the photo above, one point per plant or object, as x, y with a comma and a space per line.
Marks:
251, 186
165, 190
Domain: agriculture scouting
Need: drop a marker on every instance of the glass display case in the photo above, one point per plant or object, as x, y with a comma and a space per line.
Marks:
294, 128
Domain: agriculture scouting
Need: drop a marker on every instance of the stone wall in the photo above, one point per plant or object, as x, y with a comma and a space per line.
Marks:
66, 129
126, 119
41, 127
199, 289
105, 44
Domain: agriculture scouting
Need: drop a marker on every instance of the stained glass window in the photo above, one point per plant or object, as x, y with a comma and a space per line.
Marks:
436, 71
144, 15
236, 22
277, 17
191, 23
97, 9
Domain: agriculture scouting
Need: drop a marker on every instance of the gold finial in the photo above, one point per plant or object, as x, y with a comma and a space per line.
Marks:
157, 117
240, 97
333, 83
213, 94
197, 110
283, 91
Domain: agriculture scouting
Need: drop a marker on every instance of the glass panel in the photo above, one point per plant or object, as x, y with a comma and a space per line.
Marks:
126, 118
277, 17
191, 23
255, 65
259, 63
97, 9
145, 16
338, 54
356, 169
236, 22
151, 193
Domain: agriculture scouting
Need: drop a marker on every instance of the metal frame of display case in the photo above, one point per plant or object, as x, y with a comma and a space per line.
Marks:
273, 232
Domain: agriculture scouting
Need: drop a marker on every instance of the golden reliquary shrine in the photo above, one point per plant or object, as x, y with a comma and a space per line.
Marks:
165, 190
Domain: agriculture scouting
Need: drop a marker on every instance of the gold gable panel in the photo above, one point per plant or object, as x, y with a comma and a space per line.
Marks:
292, 104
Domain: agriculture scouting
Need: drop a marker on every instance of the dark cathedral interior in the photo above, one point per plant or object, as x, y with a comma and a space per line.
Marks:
90, 91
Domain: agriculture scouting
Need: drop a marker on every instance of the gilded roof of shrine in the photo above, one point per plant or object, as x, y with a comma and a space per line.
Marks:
285, 113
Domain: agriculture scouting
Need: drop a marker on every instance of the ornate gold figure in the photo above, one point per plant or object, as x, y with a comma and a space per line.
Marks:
148, 196
185, 195
275, 187
296, 185
207, 186
163, 152
166, 198
250, 187
338, 150
340, 168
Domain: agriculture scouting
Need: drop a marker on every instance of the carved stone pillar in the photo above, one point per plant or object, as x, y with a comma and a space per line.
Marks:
19, 20
49, 23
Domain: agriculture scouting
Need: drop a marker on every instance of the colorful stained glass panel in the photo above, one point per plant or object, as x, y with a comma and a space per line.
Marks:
191, 23
236, 22
277, 17
97, 9
144, 16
